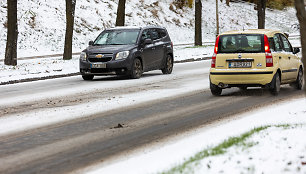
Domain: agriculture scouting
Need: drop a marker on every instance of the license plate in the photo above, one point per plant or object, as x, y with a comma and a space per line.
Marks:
98, 65
240, 64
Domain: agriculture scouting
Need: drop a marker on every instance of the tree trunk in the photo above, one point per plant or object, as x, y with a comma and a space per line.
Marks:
120, 13
261, 13
70, 9
217, 18
198, 23
301, 15
12, 34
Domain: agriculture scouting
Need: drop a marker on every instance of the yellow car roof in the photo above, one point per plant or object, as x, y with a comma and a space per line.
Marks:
267, 32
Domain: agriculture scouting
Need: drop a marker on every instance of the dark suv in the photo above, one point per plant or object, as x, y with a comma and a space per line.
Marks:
128, 51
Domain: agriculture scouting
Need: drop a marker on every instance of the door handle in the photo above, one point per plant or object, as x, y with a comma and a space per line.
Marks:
280, 57
289, 57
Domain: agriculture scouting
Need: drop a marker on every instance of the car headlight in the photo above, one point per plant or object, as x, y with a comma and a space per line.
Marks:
122, 55
83, 56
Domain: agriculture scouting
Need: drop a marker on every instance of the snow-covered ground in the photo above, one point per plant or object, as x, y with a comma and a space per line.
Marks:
280, 148
42, 23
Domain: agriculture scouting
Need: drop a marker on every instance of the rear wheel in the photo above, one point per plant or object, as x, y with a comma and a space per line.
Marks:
215, 90
275, 86
136, 71
168, 67
300, 80
87, 77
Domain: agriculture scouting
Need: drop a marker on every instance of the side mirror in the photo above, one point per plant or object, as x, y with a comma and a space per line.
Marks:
148, 41
90, 42
296, 50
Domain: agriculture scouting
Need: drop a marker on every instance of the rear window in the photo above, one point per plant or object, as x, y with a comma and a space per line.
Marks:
241, 43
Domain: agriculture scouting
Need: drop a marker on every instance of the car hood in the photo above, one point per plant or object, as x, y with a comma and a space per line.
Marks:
108, 48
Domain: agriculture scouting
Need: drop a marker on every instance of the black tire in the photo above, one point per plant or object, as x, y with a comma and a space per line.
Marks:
215, 90
136, 70
299, 80
168, 66
87, 77
275, 85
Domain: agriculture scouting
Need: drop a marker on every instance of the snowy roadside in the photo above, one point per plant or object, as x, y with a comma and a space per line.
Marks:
277, 145
34, 69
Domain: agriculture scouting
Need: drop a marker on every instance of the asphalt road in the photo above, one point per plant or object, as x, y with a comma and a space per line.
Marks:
74, 144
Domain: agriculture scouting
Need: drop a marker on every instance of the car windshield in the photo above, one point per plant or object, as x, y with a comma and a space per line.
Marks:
241, 43
117, 37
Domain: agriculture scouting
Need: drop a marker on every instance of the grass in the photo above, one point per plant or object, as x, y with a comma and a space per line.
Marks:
186, 167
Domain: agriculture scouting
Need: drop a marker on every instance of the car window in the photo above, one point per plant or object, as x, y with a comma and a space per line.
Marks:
287, 45
155, 34
117, 37
277, 43
145, 35
162, 33
241, 43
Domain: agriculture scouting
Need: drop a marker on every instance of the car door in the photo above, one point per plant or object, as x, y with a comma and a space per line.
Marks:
280, 56
292, 59
158, 53
147, 50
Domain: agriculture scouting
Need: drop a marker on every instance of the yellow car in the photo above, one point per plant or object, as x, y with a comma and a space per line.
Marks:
254, 58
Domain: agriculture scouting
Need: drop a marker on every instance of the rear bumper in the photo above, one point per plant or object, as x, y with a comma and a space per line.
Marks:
236, 78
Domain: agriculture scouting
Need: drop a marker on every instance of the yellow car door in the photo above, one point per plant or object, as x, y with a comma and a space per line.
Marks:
292, 69
280, 56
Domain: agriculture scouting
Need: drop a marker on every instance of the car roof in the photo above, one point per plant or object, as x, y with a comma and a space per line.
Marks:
133, 27
267, 32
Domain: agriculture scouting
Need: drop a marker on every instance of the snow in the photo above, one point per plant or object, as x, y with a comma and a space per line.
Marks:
42, 23
278, 150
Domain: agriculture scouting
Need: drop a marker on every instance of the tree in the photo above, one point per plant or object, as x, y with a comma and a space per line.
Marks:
198, 23
120, 13
301, 15
261, 13
12, 34
70, 9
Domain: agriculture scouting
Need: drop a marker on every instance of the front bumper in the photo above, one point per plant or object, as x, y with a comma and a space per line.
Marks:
117, 67
243, 77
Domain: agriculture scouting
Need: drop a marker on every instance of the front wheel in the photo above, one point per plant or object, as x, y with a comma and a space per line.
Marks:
87, 77
168, 67
275, 86
300, 80
136, 71
215, 90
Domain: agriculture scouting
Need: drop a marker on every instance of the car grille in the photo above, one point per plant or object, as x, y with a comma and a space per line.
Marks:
106, 57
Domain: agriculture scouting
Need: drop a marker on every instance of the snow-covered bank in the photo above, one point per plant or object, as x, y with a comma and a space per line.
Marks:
42, 23
276, 150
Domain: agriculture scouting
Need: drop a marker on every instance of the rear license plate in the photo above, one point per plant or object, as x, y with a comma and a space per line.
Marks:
240, 64
98, 65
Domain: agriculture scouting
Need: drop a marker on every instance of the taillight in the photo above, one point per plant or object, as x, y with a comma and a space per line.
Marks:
214, 56
269, 57
172, 45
